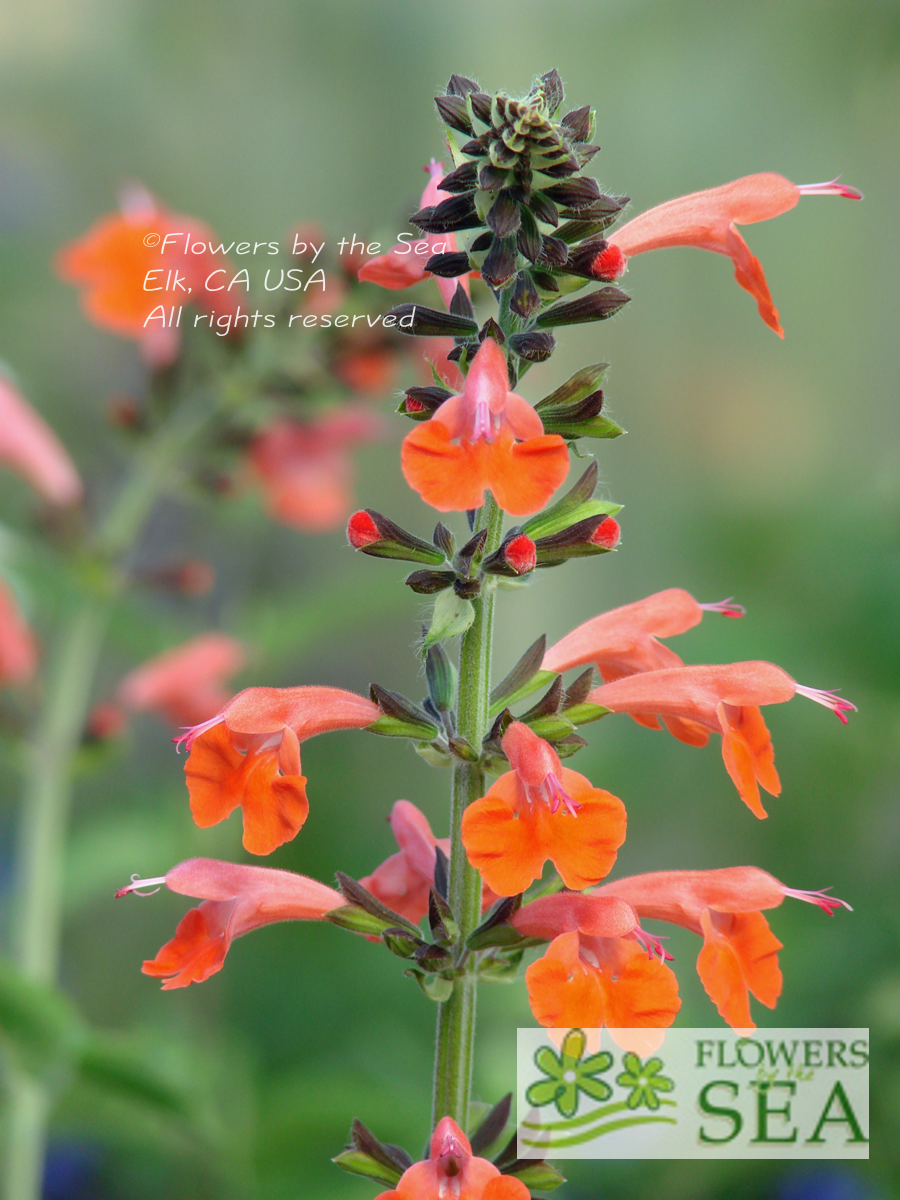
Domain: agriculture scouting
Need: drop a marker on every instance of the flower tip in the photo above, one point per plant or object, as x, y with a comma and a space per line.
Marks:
362, 530
607, 534
521, 554
134, 888
832, 188
828, 904
727, 608
829, 699
610, 264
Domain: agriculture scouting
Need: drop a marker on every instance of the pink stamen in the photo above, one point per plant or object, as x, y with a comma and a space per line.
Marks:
827, 903
137, 883
482, 426
451, 1156
727, 608
652, 944
828, 699
832, 188
556, 795
194, 731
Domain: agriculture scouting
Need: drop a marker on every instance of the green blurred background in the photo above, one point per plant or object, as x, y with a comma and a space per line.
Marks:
764, 469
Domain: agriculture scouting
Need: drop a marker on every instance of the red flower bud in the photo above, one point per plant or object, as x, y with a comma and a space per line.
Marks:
609, 264
362, 531
606, 534
521, 554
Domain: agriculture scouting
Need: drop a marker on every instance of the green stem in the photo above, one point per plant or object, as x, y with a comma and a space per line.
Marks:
46, 798
456, 1016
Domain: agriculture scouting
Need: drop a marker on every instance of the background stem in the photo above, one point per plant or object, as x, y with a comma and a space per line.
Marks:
456, 1016
46, 796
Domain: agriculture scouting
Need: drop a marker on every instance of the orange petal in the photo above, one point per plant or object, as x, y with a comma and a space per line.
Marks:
275, 806
213, 773
448, 476
504, 846
583, 848
642, 993
749, 275
748, 754
505, 1187
198, 948
720, 973
219, 779
524, 475
564, 992
757, 949
689, 732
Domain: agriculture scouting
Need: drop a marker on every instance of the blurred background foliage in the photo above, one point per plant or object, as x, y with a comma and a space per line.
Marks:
753, 467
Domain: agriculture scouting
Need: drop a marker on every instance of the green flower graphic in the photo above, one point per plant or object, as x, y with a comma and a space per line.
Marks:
568, 1074
644, 1081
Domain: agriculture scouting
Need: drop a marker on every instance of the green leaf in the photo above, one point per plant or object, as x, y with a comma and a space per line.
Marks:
582, 714
40, 1026
110, 1063
491, 1126
355, 893
552, 728
537, 1176
581, 384
452, 616
394, 727
358, 1163
435, 987
441, 676
520, 682
355, 919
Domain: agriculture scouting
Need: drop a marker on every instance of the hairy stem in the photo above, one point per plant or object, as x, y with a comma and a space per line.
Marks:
456, 1016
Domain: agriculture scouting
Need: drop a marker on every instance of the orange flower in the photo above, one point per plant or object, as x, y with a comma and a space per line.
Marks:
541, 810
587, 982
18, 648
485, 437
403, 881
29, 447
451, 1170
184, 685
624, 641
709, 219
113, 260
404, 265
249, 757
236, 899
740, 953
304, 469
725, 699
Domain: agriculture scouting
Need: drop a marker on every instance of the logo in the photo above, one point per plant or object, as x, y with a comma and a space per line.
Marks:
693, 1093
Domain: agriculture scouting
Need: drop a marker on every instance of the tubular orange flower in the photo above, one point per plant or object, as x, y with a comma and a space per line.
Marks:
541, 810
724, 699
485, 437
624, 642
740, 952
403, 881
709, 219
29, 447
404, 265
236, 899
304, 469
184, 685
451, 1170
248, 756
112, 261
18, 648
